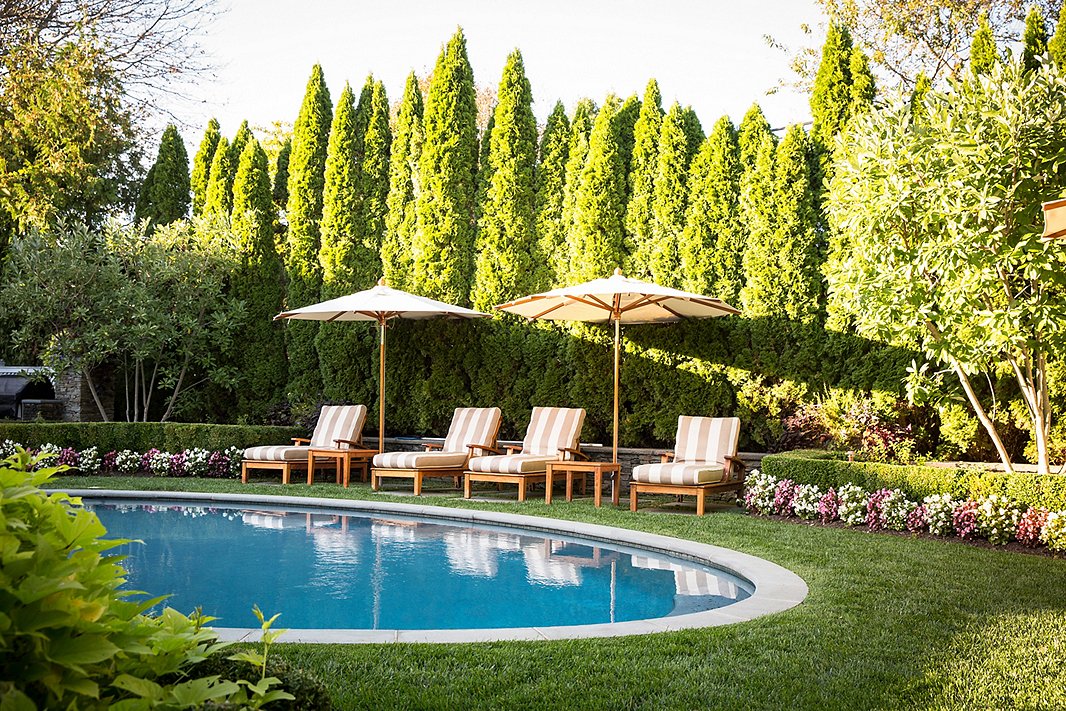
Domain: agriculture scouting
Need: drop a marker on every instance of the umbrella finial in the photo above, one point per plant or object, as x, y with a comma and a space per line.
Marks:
381, 281
617, 271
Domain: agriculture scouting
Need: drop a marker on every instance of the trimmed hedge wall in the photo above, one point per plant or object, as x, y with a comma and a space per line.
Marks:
142, 436
822, 468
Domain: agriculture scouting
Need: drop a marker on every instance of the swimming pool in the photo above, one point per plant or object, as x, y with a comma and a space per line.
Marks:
362, 571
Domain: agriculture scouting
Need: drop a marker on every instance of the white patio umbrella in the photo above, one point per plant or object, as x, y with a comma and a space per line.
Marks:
617, 299
381, 304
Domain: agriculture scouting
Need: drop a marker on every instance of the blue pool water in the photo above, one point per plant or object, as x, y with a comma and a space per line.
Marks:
345, 570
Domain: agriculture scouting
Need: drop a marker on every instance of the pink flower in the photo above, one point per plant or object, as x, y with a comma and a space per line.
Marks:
1030, 526
829, 507
917, 521
875, 515
964, 520
783, 495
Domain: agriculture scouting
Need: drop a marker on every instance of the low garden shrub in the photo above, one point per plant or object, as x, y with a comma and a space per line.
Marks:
829, 470
70, 638
143, 436
994, 518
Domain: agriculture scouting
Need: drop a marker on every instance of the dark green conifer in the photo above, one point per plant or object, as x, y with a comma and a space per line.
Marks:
983, 54
506, 262
165, 196
219, 187
280, 194
201, 166
484, 166
596, 242
669, 198
550, 181
1034, 40
643, 168
782, 262
712, 245
261, 364
397, 256
236, 147
307, 165
444, 239
625, 123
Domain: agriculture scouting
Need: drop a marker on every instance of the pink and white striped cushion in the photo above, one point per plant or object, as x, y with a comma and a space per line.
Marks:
283, 453
706, 439
338, 422
679, 473
553, 428
472, 425
511, 463
419, 460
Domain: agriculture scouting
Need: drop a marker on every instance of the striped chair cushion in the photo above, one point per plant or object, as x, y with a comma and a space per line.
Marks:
706, 439
419, 460
276, 454
683, 473
472, 425
511, 463
553, 428
338, 422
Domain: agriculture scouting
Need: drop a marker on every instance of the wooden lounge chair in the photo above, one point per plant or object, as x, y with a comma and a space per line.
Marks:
553, 435
705, 460
472, 431
339, 427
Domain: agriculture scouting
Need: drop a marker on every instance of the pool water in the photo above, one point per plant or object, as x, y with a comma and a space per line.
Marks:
345, 570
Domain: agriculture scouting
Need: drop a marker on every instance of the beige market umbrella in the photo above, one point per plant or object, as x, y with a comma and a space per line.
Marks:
617, 299
381, 304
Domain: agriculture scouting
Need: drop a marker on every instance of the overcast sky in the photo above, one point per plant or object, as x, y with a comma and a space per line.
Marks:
710, 54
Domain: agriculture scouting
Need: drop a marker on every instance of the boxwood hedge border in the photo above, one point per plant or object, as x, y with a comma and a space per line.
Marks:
142, 436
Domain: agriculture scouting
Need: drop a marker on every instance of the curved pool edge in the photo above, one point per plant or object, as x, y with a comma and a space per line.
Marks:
776, 588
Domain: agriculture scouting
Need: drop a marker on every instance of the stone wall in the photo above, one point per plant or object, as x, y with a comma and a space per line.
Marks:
78, 404
41, 409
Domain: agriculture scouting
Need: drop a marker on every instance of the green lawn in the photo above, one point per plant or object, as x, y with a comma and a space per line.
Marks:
890, 622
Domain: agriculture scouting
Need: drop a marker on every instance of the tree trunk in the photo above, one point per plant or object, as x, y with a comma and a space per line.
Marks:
96, 396
982, 416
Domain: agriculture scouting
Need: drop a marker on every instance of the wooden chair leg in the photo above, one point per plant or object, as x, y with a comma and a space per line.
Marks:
285, 471
244, 472
418, 483
632, 498
375, 481
701, 501
466, 487
521, 491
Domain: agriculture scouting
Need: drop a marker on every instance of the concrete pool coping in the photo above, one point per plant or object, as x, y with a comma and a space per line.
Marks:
776, 588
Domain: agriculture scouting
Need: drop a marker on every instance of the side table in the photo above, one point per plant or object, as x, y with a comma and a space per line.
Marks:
597, 469
343, 459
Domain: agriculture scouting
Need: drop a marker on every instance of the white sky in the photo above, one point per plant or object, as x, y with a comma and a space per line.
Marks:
707, 53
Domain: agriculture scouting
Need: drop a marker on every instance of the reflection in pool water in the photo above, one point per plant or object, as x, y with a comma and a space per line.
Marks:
344, 570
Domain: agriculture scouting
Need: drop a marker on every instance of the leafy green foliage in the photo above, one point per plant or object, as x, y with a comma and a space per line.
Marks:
201, 166
643, 168
507, 257
983, 53
1034, 39
945, 231
307, 165
165, 194
262, 368
219, 201
1056, 46
142, 436
712, 245
397, 255
550, 188
444, 238
669, 199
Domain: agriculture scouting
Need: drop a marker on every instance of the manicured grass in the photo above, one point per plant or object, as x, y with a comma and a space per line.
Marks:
890, 622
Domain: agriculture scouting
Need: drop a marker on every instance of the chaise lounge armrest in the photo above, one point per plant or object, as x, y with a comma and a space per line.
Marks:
666, 457
513, 449
300, 440
430, 446
736, 461
574, 453
474, 448
349, 442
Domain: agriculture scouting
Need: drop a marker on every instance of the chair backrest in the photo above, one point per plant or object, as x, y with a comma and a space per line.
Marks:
472, 425
553, 428
706, 439
338, 422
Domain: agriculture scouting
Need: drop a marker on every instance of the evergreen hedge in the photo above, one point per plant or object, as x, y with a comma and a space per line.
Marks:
142, 436
825, 470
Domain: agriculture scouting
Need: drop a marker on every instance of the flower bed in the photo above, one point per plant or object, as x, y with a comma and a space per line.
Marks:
995, 518
195, 462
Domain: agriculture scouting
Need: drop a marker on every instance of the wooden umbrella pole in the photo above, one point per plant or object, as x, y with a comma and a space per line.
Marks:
381, 390
617, 363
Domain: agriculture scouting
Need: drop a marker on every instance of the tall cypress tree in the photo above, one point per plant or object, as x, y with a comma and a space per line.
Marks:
831, 97
712, 245
280, 192
307, 165
257, 281
444, 239
550, 181
165, 198
374, 173
507, 237
922, 87
625, 124
1056, 46
236, 147
643, 168
577, 153
484, 166
694, 134
397, 255
669, 198
596, 243
863, 87
219, 187
201, 166
983, 55
1034, 39
753, 129
782, 263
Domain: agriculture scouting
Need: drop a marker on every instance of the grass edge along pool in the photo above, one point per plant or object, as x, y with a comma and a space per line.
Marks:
776, 589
